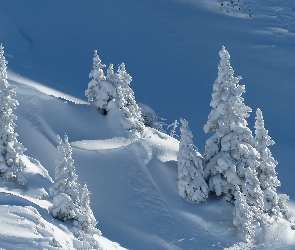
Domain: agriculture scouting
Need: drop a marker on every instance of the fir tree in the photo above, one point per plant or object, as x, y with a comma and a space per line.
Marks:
12, 165
274, 204
65, 189
230, 155
191, 183
66, 179
85, 209
97, 76
244, 216
111, 74
100, 91
126, 101
71, 203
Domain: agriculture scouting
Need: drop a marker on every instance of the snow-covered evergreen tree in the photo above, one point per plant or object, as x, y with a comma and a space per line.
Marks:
66, 179
191, 183
86, 222
274, 204
244, 216
100, 89
71, 203
91, 222
126, 101
97, 76
65, 189
230, 155
111, 74
11, 166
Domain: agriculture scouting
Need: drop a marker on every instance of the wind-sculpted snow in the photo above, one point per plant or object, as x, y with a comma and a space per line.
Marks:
103, 144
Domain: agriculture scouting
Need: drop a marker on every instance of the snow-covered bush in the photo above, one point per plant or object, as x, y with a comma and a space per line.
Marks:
173, 126
150, 118
191, 183
63, 207
11, 165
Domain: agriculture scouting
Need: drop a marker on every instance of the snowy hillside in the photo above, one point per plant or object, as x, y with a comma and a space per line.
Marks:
171, 52
133, 184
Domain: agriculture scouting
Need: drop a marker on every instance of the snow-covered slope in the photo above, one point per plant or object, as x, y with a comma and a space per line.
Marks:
133, 183
170, 49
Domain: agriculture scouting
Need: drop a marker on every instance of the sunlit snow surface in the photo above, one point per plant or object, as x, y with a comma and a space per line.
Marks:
134, 181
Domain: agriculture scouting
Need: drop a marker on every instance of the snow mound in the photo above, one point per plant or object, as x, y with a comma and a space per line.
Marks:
116, 142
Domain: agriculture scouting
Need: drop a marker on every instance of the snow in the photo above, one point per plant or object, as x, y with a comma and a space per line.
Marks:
171, 51
107, 144
13, 77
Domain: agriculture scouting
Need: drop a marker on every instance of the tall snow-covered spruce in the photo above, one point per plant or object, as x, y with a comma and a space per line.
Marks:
191, 183
71, 202
66, 188
11, 165
274, 203
66, 179
230, 155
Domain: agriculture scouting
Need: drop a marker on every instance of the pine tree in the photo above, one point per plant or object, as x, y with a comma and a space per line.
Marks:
230, 155
126, 101
97, 76
100, 89
86, 222
65, 189
71, 203
191, 183
274, 204
230, 152
66, 179
90, 223
12, 165
244, 216
111, 74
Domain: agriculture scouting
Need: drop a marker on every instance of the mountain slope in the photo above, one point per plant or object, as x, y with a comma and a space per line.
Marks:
133, 182
170, 49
